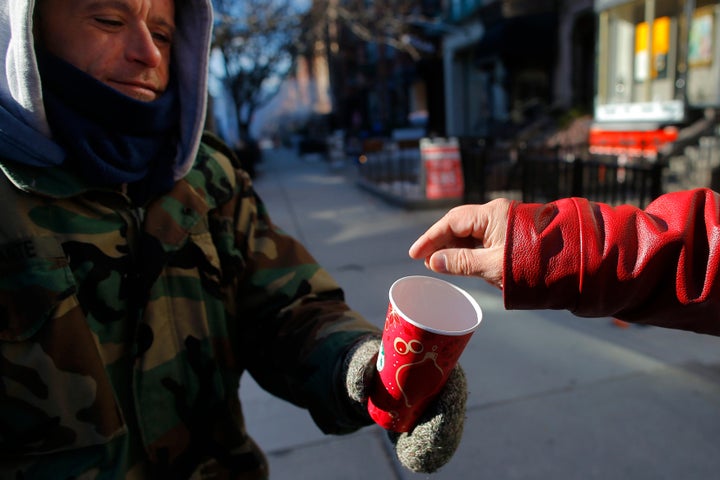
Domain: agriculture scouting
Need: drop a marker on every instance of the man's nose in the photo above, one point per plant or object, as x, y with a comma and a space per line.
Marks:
142, 48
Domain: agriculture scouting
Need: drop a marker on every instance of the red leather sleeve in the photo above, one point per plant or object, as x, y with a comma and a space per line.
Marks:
657, 266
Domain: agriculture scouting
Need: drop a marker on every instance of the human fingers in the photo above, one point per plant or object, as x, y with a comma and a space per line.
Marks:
465, 226
458, 223
485, 263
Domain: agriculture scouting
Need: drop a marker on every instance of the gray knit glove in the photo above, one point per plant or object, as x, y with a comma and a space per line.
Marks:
435, 438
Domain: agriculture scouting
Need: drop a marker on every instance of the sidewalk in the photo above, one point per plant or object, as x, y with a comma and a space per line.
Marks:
552, 396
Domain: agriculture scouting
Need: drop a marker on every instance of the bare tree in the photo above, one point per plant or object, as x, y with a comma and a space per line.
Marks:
390, 22
257, 40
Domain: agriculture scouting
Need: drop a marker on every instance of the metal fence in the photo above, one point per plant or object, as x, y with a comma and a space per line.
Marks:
546, 174
533, 174
392, 167
606, 179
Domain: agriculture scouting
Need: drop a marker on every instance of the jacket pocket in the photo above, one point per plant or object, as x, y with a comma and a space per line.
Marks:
54, 391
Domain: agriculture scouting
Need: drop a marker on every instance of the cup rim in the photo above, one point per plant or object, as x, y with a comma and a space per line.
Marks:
473, 303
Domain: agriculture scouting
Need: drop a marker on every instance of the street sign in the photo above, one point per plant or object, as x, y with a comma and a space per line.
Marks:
442, 167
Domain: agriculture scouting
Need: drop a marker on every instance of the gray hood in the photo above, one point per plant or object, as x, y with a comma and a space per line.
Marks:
24, 131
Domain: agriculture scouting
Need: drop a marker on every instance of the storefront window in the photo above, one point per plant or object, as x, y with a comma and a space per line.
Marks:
639, 48
702, 59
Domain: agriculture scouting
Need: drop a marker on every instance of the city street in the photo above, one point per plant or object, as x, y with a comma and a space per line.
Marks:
552, 396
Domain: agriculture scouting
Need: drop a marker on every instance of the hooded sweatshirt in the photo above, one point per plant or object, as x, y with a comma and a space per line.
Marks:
125, 330
25, 136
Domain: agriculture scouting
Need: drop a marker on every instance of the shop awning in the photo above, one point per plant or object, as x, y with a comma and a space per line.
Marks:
527, 36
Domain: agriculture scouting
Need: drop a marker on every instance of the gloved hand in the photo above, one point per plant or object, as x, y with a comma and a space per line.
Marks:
435, 438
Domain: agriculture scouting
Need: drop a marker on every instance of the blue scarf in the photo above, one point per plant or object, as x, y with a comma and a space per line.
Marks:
111, 138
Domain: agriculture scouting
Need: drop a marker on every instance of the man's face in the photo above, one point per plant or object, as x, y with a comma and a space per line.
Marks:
125, 44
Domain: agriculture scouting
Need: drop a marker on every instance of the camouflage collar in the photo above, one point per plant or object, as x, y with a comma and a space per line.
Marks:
55, 182
212, 177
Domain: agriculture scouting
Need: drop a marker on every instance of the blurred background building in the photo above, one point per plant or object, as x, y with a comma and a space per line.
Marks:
623, 83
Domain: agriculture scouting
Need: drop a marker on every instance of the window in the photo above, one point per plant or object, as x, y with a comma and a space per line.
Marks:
639, 53
703, 89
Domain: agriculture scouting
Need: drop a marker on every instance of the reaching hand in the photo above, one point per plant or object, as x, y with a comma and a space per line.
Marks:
469, 240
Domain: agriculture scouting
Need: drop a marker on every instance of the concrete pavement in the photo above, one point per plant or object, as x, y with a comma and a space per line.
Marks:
552, 396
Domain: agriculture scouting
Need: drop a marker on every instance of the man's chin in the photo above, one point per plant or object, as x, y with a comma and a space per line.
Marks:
136, 92
146, 96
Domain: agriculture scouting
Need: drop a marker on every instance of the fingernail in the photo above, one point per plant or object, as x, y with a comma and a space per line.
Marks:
411, 250
439, 263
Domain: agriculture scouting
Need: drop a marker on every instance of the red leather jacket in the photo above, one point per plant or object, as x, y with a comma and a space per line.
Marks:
657, 266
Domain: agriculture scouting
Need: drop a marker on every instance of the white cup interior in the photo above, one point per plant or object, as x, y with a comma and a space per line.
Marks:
435, 305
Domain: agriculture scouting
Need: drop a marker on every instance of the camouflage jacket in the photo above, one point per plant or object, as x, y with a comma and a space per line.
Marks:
124, 332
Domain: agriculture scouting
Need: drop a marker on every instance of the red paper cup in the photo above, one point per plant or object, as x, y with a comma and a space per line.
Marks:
428, 324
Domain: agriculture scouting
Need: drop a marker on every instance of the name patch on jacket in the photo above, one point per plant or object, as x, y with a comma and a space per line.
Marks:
30, 248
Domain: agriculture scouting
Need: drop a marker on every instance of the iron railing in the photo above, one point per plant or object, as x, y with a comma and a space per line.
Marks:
530, 174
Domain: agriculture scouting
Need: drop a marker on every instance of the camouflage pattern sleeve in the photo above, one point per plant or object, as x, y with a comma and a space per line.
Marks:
293, 325
124, 331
